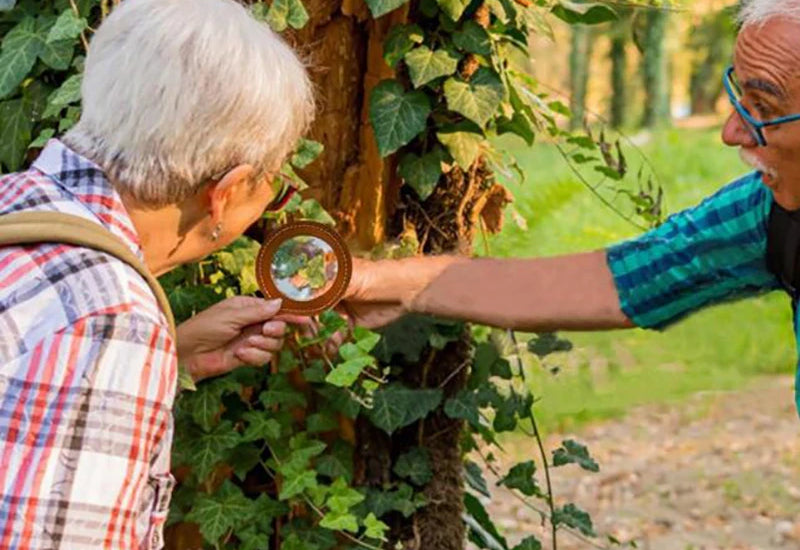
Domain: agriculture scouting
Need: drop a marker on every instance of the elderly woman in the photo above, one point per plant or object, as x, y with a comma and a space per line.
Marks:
189, 109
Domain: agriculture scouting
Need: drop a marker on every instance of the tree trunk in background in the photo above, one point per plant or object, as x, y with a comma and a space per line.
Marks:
620, 30
654, 69
580, 53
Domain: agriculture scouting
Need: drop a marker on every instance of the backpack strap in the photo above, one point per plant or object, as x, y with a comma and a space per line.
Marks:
30, 227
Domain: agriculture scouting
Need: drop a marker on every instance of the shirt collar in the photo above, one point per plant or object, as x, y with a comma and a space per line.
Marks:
86, 182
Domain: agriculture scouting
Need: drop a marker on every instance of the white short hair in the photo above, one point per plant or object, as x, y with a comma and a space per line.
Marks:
758, 12
176, 92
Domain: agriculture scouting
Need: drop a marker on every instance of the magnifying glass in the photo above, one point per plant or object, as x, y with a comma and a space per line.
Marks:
306, 264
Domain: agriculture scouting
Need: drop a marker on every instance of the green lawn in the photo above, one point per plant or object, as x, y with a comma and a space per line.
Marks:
718, 349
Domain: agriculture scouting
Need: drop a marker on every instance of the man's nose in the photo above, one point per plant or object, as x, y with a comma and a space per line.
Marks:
736, 133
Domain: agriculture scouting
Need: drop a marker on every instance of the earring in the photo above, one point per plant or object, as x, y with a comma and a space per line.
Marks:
217, 230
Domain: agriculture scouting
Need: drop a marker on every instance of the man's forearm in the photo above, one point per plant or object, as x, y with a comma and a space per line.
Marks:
575, 292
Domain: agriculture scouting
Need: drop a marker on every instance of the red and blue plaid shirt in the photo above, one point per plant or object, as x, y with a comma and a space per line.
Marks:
87, 376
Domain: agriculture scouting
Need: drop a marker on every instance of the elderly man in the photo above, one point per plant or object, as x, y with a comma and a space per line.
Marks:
714, 252
189, 110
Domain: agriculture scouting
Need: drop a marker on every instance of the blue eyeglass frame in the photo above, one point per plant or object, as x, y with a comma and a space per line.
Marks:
756, 126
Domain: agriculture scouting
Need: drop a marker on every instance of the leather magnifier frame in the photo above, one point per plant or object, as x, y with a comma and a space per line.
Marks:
270, 246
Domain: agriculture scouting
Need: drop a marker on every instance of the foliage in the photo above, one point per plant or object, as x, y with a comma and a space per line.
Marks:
256, 443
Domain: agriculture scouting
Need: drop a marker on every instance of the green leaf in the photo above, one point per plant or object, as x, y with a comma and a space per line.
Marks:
375, 528
21, 47
425, 64
395, 406
68, 26
474, 478
473, 38
345, 374
572, 452
305, 153
260, 426
422, 173
15, 133
205, 450
464, 405
521, 477
400, 40
481, 525
218, 513
397, 117
296, 483
477, 99
283, 13
585, 14
529, 543
453, 8
382, 7
281, 392
415, 466
574, 517
463, 146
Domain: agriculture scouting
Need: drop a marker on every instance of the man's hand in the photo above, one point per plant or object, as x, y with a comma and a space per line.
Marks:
238, 331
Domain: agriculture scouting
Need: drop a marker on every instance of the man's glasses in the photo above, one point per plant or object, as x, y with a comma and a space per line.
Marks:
754, 126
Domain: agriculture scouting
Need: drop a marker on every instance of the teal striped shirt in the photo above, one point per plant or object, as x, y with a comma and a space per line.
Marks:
714, 252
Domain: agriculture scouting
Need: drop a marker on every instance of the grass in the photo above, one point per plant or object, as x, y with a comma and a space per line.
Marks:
721, 348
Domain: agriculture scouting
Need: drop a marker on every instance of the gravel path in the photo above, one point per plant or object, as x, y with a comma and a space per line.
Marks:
719, 471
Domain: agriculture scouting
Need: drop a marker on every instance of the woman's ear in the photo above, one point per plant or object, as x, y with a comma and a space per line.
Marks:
233, 185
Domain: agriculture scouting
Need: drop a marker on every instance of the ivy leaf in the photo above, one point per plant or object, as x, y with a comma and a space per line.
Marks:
397, 117
382, 7
218, 513
477, 99
585, 14
572, 516
21, 47
68, 26
521, 477
481, 526
15, 133
345, 374
375, 528
305, 153
422, 173
281, 392
474, 478
463, 145
572, 452
453, 8
260, 426
283, 13
415, 466
205, 450
400, 41
464, 405
425, 64
529, 543
395, 406
473, 38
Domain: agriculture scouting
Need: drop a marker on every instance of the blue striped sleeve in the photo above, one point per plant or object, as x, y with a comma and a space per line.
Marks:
711, 253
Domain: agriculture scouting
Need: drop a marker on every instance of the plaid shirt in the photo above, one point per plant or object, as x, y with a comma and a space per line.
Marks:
87, 376
714, 252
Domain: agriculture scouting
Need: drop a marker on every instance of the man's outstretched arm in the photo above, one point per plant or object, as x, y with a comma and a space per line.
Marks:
574, 292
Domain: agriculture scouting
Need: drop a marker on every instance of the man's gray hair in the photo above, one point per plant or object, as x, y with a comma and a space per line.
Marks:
176, 92
757, 12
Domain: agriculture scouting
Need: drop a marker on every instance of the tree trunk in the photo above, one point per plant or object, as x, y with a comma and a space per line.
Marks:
654, 69
580, 53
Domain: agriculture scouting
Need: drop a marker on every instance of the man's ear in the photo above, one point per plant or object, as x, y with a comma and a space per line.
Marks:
232, 184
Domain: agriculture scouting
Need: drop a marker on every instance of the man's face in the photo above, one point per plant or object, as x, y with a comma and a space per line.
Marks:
767, 65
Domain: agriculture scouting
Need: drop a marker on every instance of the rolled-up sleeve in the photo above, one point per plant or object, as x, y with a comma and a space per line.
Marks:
704, 255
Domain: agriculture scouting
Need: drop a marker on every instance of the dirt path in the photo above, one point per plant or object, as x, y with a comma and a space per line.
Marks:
720, 471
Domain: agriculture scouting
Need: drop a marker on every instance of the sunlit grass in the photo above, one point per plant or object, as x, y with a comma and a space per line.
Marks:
720, 348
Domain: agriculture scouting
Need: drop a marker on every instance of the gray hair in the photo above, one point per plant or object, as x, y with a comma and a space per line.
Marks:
176, 92
758, 12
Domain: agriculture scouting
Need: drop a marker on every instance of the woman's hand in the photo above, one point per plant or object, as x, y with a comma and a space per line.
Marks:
238, 331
